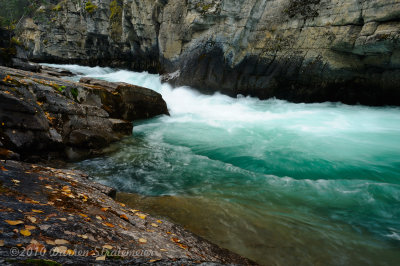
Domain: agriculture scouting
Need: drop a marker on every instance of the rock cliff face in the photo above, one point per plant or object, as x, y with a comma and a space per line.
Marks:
300, 50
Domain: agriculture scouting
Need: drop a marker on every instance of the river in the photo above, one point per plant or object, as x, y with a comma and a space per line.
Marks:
278, 182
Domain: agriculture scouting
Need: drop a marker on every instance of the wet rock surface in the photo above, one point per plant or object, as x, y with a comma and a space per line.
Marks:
43, 116
60, 216
134, 103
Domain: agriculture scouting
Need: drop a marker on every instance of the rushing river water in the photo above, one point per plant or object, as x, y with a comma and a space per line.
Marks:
278, 182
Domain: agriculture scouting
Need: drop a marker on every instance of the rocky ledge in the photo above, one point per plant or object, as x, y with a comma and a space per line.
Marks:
52, 217
45, 117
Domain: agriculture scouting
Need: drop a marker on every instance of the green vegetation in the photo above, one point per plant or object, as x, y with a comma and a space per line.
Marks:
57, 8
61, 89
116, 19
12, 12
15, 41
90, 7
75, 93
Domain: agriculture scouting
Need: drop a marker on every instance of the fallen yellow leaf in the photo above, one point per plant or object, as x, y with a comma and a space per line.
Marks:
107, 247
66, 189
50, 242
141, 215
37, 211
1, 243
158, 221
104, 209
175, 239
155, 225
25, 232
142, 241
123, 216
83, 236
101, 258
70, 252
14, 222
30, 227
182, 246
109, 225
61, 241
32, 219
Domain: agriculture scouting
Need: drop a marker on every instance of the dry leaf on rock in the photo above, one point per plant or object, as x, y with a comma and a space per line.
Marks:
61, 241
30, 227
141, 215
109, 225
14, 222
31, 219
50, 242
108, 247
25, 232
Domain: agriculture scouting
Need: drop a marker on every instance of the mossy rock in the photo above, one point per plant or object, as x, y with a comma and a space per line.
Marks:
116, 8
90, 7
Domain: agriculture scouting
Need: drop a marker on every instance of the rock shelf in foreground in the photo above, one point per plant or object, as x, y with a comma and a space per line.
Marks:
60, 215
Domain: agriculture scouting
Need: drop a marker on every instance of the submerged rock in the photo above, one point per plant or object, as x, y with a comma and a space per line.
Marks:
310, 50
48, 117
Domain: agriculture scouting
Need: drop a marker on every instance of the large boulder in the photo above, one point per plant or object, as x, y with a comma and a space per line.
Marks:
129, 101
42, 116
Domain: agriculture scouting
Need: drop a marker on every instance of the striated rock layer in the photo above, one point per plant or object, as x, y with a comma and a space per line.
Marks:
42, 116
309, 50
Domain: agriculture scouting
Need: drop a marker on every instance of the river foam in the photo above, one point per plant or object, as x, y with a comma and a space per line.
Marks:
279, 182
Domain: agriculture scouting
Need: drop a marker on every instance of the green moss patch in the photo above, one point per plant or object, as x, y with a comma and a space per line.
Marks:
90, 7
116, 19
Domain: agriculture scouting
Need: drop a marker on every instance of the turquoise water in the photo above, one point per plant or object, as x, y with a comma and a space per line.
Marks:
278, 182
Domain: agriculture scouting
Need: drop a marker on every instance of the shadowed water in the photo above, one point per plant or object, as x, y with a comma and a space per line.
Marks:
280, 183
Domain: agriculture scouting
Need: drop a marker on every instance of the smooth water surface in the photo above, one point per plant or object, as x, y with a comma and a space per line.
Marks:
278, 182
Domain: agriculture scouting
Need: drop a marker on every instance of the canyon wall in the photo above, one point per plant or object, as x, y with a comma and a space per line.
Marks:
299, 50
